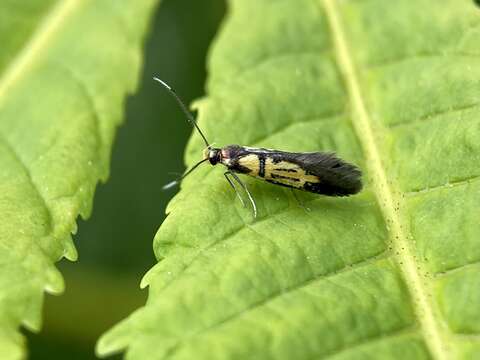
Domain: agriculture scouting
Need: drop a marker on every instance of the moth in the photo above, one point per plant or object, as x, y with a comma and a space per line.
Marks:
316, 172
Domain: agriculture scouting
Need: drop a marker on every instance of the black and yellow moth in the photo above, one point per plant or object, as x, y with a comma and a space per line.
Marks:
316, 172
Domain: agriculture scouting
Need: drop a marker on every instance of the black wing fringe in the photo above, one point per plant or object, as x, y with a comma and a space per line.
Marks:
337, 177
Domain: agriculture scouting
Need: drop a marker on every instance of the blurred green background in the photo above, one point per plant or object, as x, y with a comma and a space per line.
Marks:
115, 244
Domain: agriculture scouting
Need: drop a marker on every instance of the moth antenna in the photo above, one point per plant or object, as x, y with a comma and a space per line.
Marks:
183, 107
179, 180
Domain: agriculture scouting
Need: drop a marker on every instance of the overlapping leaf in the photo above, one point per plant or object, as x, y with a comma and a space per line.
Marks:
65, 68
390, 273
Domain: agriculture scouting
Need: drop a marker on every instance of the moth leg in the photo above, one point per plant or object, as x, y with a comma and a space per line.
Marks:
244, 187
234, 187
300, 202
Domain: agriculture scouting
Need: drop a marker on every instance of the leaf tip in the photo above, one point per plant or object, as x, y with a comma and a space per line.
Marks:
148, 276
112, 342
54, 283
69, 250
145, 282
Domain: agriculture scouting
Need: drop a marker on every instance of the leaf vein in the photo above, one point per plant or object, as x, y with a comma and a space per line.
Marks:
420, 56
397, 333
307, 120
435, 115
319, 277
362, 124
90, 99
233, 233
472, 264
28, 175
448, 185
266, 60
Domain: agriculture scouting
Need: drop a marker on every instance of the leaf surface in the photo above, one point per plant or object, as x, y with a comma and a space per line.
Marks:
391, 273
65, 69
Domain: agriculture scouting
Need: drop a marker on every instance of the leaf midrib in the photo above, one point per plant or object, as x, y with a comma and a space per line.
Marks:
423, 309
38, 41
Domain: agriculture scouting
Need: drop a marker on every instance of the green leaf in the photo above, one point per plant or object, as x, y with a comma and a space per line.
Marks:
392, 273
65, 69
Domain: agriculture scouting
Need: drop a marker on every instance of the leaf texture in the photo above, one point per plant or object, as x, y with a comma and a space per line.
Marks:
389, 274
65, 69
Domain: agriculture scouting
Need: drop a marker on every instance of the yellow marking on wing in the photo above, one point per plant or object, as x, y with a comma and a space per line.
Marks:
283, 165
250, 162
288, 173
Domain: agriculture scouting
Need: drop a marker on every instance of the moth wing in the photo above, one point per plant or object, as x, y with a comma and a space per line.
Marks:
287, 173
336, 176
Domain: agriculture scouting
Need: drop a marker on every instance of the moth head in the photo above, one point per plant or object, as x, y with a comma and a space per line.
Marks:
213, 155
